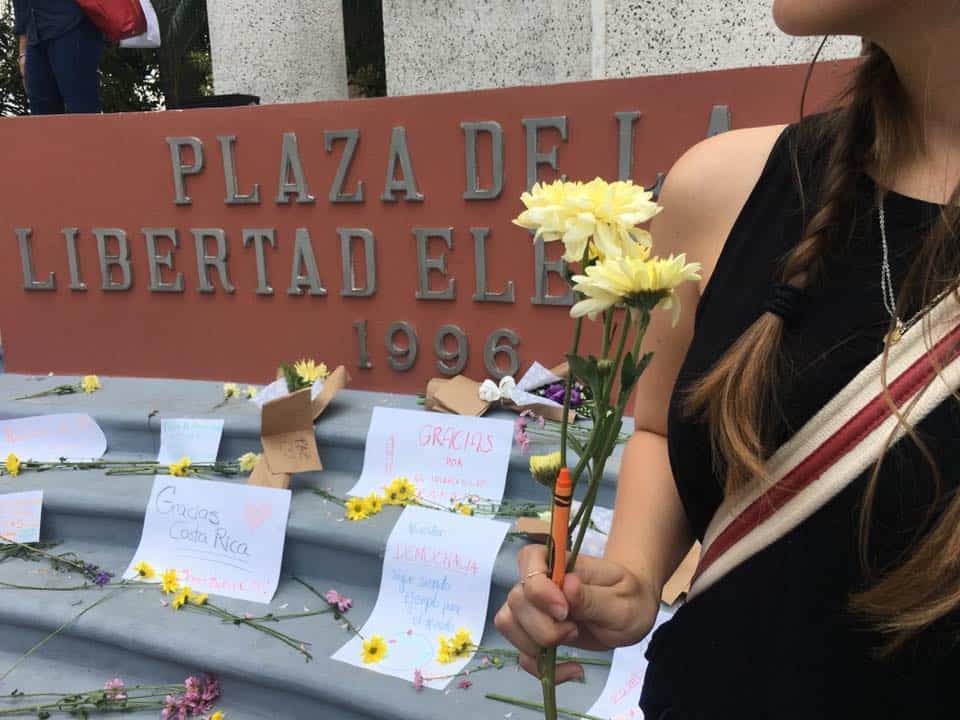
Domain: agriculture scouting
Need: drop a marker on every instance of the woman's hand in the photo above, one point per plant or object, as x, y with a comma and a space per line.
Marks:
602, 605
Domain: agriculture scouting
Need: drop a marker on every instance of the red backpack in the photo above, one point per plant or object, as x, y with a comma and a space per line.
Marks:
116, 19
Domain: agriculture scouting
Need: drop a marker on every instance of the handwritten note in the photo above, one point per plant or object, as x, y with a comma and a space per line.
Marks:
47, 438
435, 580
197, 439
20, 516
444, 456
621, 694
222, 538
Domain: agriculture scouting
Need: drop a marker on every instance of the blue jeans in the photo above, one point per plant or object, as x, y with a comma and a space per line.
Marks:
62, 72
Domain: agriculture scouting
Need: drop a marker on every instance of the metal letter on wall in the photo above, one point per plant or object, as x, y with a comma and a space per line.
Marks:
719, 120
155, 261
438, 263
304, 258
480, 293
470, 131
290, 163
407, 182
351, 138
218, 261
350, 285
233, 194
107, 261
180, 170
26, 264
535, 158
625, 123
258, 236
542, 269
73, 262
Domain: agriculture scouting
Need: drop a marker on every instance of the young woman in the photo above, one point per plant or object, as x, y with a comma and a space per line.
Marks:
852, 613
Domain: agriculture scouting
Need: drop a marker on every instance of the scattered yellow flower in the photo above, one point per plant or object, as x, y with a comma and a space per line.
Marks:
373, 649
248, 461
310, 371
458, 645
90, 383
637, 283
217, 715
372, 504
144, 569
180, 598
356, 508
230, 390
250, 392
12, 464
198, 598
463, 508
180, 467
400, 491
544, 468
168, 581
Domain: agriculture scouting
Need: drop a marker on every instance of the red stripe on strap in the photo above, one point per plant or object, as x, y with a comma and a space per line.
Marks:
832, 449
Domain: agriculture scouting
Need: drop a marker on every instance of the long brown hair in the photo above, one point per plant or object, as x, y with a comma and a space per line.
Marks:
869, 132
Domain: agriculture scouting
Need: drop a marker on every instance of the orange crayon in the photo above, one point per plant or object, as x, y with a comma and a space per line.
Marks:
562, 495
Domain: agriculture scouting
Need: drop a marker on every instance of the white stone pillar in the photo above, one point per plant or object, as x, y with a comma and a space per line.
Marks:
435, 46
280, 50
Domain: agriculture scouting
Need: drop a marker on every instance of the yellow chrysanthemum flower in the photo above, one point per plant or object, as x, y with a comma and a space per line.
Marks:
250, 392
634, 282
217, 715
544, 468
144, 569
168, 581
310, 371
248, 461
597, 214
90, 383
374, 649
180, 467
12, 464
355, 508
458, 645
180, 599
230, 390
372, 504
463, 508
198, 598
444, 653
462, 640
400, 491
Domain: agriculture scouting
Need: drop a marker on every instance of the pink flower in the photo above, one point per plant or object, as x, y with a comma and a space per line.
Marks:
211, 688
464, 683
417, 680
484, 661
174, 708
114, 689
332, 597
342, 602
520, 435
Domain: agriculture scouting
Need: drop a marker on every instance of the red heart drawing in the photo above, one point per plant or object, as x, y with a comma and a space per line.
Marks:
256, 514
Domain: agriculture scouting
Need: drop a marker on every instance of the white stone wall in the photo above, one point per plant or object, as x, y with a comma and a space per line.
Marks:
280, 50
434, 46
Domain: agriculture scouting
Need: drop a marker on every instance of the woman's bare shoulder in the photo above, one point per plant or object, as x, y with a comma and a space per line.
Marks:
706, 190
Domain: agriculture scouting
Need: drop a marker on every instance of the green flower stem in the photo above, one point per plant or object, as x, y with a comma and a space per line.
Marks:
538, 706
58, 390
340, 616
227, 616
289, 616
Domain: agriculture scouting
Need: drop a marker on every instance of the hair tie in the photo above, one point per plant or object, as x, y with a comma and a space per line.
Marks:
785, 300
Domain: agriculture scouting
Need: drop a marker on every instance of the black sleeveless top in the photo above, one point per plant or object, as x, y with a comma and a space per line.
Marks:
775, 638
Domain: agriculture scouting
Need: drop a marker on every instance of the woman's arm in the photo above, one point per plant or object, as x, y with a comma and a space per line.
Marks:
612, 601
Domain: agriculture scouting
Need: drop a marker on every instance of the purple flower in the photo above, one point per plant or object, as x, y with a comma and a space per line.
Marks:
173, 708
417, 680
210, 690
114, 689
102, 578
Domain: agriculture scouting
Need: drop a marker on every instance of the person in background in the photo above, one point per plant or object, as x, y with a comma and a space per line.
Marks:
59, 53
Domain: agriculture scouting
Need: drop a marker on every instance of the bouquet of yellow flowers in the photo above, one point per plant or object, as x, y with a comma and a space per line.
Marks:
620, 282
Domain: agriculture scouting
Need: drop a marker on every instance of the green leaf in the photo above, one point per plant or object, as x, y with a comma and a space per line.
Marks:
585, 370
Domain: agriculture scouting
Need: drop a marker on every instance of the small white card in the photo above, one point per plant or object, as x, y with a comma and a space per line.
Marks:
20, 516
444, 456
221, 538
436, 579
47, 438
621, 695
197, 439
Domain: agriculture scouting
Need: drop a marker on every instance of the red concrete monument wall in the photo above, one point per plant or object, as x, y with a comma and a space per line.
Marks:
110, 173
